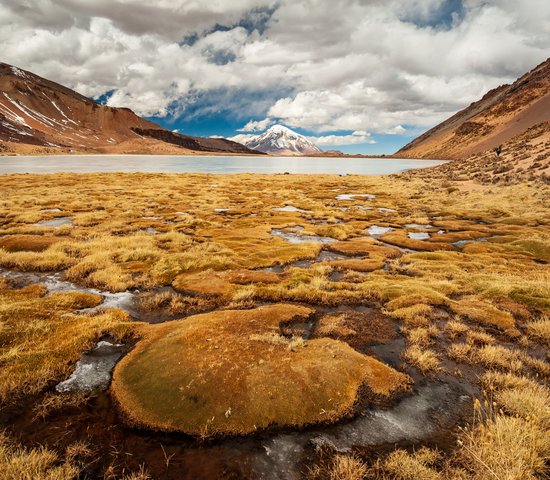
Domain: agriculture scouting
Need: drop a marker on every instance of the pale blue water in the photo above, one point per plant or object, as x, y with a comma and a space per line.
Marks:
208, 164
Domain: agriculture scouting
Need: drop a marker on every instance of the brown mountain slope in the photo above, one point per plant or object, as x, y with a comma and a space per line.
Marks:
501, 115
40, 116
526, 157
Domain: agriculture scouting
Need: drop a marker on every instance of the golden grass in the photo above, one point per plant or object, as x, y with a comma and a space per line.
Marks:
540, 330
365, 246
503, 447
497, 356
415, 315
404, 466
426, 360
358, 265
27, 243
329, 325
421, 336
502, 285
227, 370
211, 283
40, 463
455, 328
17, 463
340, 467
485, 313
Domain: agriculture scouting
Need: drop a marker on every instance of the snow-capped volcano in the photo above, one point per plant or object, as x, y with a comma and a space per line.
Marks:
278, 140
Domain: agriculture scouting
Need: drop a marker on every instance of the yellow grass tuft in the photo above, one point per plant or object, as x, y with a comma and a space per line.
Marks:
340, 467
404, 466
426, 360
17, 463
540, 329
485, 313
503, 447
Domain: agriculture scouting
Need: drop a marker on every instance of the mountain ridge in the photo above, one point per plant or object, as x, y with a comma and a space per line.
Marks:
39, 116
500, 115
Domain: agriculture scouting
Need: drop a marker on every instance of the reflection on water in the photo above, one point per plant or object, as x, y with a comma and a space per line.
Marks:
208, 164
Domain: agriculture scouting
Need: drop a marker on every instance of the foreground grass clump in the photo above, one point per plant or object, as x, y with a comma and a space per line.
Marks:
340, 467
224, 373
507, 447
540, 330
19, 463
41, 338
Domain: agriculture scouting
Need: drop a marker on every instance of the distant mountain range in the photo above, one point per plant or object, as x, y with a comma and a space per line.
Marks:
279, 140
39, 116
501, 115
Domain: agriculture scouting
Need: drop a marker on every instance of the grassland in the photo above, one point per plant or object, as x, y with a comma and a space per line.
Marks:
472, 300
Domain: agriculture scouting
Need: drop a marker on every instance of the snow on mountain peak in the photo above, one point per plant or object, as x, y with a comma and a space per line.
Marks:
279, 140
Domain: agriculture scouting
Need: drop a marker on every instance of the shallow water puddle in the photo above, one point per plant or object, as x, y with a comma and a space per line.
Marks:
418, 226
55, 222
377, 231
355, 196
292, 237
289, 208
461, 243
418, 235
435, 407
93, 370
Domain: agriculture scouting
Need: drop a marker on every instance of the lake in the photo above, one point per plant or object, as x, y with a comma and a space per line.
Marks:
208, 164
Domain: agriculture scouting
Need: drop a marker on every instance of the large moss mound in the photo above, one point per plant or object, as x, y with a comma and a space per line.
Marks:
231, 372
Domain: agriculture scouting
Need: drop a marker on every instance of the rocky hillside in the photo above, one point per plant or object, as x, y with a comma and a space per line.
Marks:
279, 140
38, 116
525, 157
502, 115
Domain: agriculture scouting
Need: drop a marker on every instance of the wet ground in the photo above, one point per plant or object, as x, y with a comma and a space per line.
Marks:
434, 406
429, 413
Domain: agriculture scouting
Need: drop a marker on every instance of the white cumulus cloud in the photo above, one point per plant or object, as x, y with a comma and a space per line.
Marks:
373, 65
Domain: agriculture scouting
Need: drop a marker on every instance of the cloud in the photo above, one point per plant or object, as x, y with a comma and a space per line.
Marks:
257, 126
371, 65
356, 138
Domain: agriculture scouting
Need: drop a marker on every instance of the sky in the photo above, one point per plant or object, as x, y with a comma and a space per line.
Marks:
360, 76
